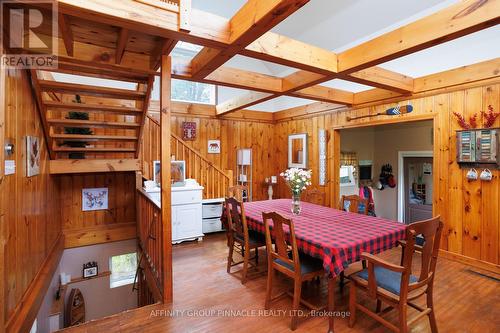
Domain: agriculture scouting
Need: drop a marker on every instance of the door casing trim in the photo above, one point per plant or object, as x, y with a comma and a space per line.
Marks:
401, 182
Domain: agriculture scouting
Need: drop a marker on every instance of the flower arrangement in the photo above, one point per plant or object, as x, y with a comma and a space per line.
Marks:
297, 179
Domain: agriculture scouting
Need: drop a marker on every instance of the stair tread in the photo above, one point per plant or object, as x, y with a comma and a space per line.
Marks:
94, 149
92, 123
93, 137
92, 107
82, 89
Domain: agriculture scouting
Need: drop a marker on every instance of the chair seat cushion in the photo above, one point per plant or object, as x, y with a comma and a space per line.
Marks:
255, 238
308, 264
386, 279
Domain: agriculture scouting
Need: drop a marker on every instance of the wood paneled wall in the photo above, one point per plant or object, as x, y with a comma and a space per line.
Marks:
93, 227
31, 221
233, 134
468, 209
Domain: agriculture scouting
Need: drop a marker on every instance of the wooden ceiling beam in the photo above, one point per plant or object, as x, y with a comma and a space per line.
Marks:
242, 102
485, 70
205, 29
121, 43
253, 20
164, 47
382, 78
293, 85
289, 52
286, 51
66, 33
326, 94
450, 23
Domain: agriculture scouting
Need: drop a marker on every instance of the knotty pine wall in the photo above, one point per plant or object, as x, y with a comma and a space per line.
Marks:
94, 227
468, 209
31, 221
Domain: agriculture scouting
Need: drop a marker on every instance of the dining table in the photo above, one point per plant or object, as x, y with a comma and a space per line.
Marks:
336, 237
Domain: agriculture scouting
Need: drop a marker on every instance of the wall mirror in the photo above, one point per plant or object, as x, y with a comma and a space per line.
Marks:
297, 151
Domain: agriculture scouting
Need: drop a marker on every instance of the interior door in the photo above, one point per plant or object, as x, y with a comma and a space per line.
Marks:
418, 188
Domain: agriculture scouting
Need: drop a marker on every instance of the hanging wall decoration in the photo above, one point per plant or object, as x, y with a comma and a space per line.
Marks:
322, 156
489, 117
32, 156
94, 199
214, 146
188, 130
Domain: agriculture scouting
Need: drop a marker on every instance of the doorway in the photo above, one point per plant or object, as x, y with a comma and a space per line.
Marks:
416, 192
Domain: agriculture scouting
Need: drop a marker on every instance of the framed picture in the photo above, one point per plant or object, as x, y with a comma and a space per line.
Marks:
32, 156
94, 199
214, 146
156, 172
90, 269
188, 130
178, 173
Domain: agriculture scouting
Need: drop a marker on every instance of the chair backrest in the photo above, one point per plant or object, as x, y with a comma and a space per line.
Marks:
236, 221
352, 203
430, 230
236, 191
315, 196
281, 241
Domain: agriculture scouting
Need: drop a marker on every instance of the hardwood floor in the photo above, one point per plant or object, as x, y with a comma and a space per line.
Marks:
465, 301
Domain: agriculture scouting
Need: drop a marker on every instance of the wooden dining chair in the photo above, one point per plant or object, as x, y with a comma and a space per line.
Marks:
240, 235
298, 267
236, 191
395, 285
315, 196
352, 203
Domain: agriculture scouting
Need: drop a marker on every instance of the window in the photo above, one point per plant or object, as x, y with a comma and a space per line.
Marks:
187, 91
346, 175
123, 268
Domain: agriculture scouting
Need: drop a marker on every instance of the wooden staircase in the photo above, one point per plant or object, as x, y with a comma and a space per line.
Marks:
115, 118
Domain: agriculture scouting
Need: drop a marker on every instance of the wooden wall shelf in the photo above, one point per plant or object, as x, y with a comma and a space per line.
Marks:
80, 279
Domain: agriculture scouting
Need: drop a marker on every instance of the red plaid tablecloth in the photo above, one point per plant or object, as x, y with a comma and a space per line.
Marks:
335, 236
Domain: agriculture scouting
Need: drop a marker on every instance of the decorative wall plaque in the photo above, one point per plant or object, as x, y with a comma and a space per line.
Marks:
188, 130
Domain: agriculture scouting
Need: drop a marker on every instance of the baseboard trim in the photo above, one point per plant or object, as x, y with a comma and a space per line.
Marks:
470, 261
27, 309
